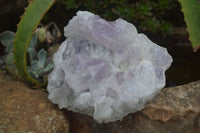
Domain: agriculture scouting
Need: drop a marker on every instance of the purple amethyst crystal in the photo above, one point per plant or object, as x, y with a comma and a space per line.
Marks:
106, 69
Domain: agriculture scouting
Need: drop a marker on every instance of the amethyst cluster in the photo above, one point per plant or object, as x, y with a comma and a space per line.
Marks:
106, 69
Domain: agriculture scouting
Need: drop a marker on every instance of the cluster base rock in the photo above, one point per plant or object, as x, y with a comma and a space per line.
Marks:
174, 110
23, 110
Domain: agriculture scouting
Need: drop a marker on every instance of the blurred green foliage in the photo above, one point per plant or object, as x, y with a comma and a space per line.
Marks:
147, 15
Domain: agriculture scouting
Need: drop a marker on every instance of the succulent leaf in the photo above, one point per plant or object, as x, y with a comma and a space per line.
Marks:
34, 65
33, 41
28, 23
10, 66
9, 60
6, 38
42, 56
32, 54
191, 10
9, 48
49, 67
34, 74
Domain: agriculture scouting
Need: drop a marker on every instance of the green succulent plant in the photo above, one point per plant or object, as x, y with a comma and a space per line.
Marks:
25, 29
7, 39
38, 61
40, 66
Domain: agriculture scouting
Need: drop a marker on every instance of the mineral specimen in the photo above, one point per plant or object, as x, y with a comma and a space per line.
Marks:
106, 69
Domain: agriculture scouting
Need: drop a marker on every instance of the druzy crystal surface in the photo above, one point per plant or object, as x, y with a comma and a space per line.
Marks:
106, 69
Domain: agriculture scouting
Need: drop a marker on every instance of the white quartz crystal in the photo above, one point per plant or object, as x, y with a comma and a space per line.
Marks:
106, 69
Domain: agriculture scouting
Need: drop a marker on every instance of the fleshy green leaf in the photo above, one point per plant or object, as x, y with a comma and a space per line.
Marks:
34, 65
49, 67
42, 55
26, 27
7, 37
191, 10
33, 41
9, 61
34, 74
32, 54
9, 48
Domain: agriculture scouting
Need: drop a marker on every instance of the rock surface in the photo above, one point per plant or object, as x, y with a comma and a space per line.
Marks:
174, 110
23, 110
106, 69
